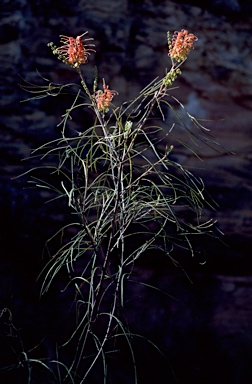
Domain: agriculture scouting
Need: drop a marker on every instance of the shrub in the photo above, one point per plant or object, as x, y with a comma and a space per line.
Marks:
128, 197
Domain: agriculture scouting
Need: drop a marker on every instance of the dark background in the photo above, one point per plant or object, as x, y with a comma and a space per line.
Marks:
207, 338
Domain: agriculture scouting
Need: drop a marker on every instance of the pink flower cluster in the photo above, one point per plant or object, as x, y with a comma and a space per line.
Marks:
74, 51
103, 99
181, 45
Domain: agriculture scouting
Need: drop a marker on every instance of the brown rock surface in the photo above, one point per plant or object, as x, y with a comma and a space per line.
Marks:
131, 50
216, 84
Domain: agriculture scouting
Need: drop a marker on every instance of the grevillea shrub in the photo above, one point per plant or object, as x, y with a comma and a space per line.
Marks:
128, 198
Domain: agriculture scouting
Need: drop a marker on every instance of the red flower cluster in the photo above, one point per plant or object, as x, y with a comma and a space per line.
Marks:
74, 51
181, 45
103, 99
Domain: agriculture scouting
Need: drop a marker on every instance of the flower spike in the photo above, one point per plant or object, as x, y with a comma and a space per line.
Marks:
181, 45
73, 51
103, 99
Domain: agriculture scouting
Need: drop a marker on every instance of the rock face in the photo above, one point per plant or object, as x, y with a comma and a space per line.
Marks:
131, 46
215, 85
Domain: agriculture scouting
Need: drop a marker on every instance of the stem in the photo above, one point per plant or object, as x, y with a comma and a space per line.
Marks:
111, 316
